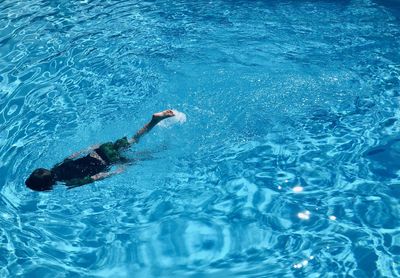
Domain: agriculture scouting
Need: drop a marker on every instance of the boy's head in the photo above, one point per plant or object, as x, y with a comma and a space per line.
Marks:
40, 180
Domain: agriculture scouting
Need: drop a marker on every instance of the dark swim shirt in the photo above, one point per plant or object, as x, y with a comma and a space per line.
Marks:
75, 172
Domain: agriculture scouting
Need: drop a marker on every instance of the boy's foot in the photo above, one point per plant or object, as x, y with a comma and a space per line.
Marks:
163, 115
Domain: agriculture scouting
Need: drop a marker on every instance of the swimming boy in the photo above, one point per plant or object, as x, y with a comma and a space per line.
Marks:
95, 165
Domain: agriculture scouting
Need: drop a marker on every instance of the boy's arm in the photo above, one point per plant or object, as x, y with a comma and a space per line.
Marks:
76, 154
102, 175
157, 117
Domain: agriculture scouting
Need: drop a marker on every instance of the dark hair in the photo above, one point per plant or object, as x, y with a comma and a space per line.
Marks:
40, 180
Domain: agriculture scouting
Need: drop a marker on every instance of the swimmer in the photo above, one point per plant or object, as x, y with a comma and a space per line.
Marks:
74, 171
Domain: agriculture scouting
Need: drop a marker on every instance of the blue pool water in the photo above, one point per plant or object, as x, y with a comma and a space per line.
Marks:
287, 166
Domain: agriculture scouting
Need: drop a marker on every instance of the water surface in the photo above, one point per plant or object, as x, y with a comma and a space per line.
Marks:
287, 166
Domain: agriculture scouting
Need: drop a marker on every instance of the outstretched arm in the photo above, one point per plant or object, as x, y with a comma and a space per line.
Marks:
157, 117
89, 179
103, 175
88, 150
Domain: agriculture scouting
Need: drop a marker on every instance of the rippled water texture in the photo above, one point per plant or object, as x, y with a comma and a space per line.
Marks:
287, 165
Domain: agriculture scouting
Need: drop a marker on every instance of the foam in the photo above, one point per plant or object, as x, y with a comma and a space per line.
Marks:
179, 118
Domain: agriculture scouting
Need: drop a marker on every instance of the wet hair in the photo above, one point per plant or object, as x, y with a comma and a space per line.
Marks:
40, 180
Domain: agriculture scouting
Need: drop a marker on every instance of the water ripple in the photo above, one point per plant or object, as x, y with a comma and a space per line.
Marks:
287, 166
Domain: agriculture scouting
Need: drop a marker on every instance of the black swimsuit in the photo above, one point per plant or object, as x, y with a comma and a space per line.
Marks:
76, 172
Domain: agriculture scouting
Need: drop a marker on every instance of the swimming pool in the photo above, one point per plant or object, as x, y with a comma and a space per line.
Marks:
287, 166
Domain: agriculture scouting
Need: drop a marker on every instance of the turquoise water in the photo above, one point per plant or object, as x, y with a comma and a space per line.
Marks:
287, 166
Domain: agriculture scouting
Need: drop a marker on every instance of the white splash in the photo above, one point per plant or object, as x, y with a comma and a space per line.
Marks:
332, 217
179, 118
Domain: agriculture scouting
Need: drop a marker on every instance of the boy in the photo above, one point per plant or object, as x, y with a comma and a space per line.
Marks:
95, 165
